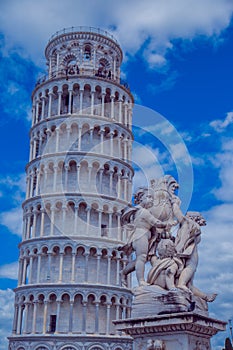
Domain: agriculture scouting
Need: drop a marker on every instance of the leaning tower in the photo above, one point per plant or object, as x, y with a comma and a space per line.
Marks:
78, 180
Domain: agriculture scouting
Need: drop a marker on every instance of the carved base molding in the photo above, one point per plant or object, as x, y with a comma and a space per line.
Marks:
183, 331
68, 342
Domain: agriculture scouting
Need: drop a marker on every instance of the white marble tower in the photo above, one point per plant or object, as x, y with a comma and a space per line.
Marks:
78, 180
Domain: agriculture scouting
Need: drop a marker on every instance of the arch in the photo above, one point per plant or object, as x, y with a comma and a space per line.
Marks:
90, 309
87, 51
64, 311
67, 263
95, 347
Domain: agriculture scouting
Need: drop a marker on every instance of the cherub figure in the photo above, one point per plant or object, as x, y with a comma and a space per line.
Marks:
166, 269
140, 222
187, 239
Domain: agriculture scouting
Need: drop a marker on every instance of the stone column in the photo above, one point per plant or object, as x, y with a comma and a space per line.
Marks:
19, 320
84, 316
34, 317
59, 103
96, 317
25, 325
86, 266
45, 316
57, 139
109, 269
43, 107
70, 102
79, 137
102, 104
73, 268
120, 109
101, 140
50, 104
54, 178
37, 110
98, 267
60, 268
92, 102
37, 182
58, 316
108, 318
100, 222
24, 270
88, 209
38, 267
30, 269
81, 102
71, 316
42, 223
75, 220
112, 106
52, 221
111, 143
14, 329
34, 223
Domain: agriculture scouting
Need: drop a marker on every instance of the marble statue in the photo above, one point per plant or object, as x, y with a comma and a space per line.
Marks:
140, 223
155, 344
173, 259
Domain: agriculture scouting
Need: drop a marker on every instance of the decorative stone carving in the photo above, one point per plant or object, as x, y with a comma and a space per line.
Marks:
169, 286
155, 344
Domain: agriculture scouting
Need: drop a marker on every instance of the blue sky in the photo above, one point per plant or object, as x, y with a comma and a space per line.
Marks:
178, 63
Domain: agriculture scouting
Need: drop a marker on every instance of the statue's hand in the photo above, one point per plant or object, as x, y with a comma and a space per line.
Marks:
160, 224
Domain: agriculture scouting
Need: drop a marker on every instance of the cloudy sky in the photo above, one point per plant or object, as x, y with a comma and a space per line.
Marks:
178, 58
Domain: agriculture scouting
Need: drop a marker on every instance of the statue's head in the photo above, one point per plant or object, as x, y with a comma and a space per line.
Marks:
171, 183
144, 197
197, 217
166, 248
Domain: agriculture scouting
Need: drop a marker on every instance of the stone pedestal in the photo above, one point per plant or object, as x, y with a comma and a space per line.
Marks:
175, 331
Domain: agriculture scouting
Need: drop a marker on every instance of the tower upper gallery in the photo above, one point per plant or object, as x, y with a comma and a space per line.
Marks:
85, 51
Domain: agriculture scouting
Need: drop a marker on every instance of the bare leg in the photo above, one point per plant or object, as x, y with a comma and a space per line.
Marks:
202, 295
141, 249
130, 267
185, 277
170, 277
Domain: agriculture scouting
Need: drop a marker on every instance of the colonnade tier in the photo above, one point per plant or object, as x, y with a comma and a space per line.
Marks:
79, 175
71, 216
80, 135
59, 262
82, 96
54, 311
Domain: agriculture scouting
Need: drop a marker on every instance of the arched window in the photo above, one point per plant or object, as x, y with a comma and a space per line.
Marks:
87, 53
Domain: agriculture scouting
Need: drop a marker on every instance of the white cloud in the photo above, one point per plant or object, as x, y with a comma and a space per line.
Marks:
224, 161
9, 271
149, 163
6, 319
220, 125
12, 219
13, 186
179, 151
134, 22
